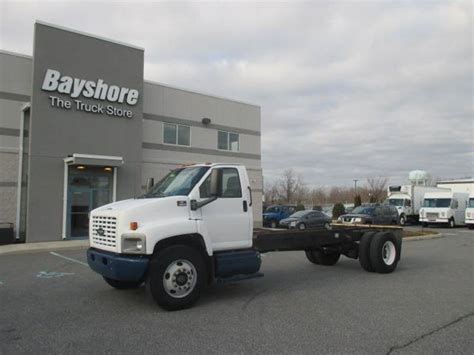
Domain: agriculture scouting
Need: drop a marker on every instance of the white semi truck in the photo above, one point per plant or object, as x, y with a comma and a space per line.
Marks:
195, 227
408, 199
444, 207
470, 212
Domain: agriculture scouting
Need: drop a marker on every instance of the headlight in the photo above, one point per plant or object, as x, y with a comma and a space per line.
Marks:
339, 219
358, 220
133, 243
293, 224
443, 214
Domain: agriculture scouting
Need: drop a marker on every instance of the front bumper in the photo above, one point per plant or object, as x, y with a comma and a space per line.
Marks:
116, 266
437, 220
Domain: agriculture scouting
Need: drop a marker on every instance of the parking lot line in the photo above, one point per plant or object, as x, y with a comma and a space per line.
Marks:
67, 258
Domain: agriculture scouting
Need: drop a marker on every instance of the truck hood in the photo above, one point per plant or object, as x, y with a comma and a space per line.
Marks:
146, 210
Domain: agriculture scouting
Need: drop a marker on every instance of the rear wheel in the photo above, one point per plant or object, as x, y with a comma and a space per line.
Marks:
384, 252
364, 251
320, 258
273, 224
470, 226
122, 285
176, 277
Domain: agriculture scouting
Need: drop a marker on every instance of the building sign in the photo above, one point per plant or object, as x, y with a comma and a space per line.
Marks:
76, 88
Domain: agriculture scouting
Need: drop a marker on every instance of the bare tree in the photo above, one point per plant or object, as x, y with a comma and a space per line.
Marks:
377, 188
289, 185
272, 195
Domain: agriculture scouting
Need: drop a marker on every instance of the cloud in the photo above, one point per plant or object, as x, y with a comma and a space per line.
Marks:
347, 89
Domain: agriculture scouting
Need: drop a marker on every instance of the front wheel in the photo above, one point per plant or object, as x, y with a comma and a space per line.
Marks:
122, 285
452, 223
403, 220
301, 226
274, 224
176, 277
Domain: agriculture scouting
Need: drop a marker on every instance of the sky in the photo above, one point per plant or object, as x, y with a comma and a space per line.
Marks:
348, 90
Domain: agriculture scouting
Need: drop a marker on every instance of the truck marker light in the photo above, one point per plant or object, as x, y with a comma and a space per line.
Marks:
133, 226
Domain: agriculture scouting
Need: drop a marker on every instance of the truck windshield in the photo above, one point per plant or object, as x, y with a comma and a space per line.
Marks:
471, 202
437, 202
394, 201
178, 182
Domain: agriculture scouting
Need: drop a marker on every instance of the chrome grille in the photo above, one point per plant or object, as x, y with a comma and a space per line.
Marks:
431, 215
104, 231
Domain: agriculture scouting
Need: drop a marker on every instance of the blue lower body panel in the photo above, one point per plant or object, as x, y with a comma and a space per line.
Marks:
117, 267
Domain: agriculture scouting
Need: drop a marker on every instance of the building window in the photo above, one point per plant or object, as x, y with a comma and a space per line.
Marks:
228, 141
176, 134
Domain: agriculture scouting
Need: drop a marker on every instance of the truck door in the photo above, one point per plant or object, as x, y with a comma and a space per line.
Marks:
227, 219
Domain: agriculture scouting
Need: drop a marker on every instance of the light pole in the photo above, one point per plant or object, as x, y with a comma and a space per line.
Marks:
355, 187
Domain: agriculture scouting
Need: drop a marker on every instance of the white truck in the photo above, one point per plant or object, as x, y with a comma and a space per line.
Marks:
408, 200
470, 212
444, 207
195, 227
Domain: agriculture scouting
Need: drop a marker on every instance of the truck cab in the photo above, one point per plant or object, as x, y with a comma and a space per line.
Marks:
470, 212
403, 204
444, 208
197, 211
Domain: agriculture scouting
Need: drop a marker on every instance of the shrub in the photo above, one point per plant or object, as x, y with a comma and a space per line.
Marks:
338, 210
300, 208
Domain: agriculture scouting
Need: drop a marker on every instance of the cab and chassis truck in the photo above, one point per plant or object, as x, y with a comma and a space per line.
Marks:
195, 227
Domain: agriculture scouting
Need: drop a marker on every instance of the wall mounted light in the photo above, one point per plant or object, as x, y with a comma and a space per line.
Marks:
206, 121
81, 167
108, 168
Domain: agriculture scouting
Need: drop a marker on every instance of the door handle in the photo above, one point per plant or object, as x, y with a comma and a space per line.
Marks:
245, 206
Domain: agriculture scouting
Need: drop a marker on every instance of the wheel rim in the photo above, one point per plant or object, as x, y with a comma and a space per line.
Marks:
451, 223
402, 221
274, 224
180, 278
389, 252
302, 226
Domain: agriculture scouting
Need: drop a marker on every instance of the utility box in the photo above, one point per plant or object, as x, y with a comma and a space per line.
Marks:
6, 233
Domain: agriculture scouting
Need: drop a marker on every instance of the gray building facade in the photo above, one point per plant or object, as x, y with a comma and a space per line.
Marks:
80, 127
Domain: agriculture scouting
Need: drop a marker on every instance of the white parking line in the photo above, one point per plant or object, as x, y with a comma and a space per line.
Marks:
67, 258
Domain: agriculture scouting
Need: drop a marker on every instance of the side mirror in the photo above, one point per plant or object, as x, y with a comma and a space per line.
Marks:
215, 179
150, 182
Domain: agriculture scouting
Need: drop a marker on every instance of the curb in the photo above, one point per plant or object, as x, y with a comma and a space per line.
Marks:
42, 246
423, 237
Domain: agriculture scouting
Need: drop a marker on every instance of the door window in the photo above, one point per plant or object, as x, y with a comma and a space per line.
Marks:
229, 187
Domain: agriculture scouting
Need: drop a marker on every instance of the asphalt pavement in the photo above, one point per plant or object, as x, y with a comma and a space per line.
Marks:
51, 302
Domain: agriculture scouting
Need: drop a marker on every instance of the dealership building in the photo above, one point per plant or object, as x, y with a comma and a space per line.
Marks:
80, 128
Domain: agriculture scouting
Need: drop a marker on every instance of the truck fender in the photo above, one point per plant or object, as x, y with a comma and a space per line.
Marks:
156, 233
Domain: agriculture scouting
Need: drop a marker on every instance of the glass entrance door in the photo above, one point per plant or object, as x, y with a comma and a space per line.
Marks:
88, 188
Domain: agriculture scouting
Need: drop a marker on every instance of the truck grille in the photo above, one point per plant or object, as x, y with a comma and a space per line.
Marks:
431, 215
104, 230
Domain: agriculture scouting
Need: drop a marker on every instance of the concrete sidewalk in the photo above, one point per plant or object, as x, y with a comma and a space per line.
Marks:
43, 246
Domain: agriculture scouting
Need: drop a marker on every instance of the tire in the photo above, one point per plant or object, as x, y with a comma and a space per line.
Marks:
320, 258
122, 285
424, 224
301, 226
309, 255
273, 224
364, 251
177, 261
384, 252
470, 226
403, 220
452, 223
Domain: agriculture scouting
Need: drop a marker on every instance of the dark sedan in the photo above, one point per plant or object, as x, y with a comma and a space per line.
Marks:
306, 219
371, 215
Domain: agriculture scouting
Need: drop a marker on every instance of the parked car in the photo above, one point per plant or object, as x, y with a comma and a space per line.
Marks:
306, 219
274, 214
376, 214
